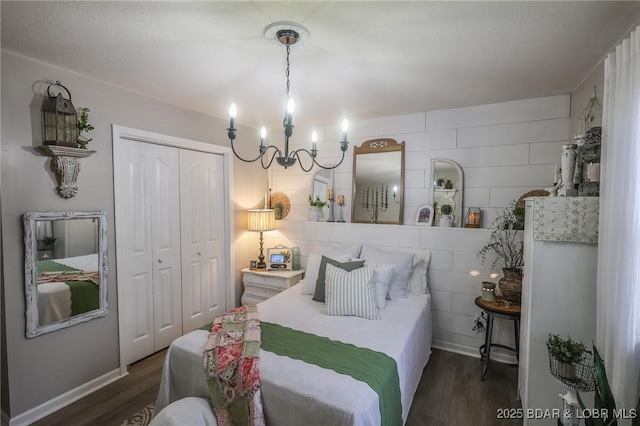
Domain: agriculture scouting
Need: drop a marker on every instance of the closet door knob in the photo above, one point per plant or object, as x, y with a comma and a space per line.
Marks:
199, 254
159, 260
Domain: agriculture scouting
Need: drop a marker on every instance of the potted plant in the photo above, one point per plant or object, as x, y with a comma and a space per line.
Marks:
316, 211
46, 243
506, 243
83, 126
277, 211
567, 353
446, 219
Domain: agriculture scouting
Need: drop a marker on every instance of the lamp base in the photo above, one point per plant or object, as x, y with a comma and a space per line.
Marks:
261, 263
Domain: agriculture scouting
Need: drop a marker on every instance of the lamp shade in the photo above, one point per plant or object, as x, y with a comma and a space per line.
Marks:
261, 220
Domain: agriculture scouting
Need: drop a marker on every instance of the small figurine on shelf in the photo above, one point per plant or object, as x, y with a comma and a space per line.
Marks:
83, 125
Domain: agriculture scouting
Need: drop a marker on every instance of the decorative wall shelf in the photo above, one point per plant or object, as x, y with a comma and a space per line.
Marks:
65, 165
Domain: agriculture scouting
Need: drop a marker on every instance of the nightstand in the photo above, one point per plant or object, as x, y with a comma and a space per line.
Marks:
260, 285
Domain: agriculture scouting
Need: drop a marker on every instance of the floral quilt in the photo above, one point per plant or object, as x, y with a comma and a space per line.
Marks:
231, 367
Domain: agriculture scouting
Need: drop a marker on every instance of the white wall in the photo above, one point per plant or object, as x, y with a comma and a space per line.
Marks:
35, 371
504, 150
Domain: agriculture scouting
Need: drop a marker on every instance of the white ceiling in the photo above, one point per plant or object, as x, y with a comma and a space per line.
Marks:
364, 59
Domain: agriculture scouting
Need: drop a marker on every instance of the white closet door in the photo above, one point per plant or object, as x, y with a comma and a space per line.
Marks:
148, 255
165, 213
202, 231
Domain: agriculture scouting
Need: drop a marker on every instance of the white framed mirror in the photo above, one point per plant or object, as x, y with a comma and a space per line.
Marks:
447, 182
378, 182
65, 263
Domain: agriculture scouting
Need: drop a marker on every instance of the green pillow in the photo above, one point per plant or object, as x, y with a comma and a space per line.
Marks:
319, 294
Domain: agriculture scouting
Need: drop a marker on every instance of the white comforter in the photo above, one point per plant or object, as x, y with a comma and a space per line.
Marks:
294, 390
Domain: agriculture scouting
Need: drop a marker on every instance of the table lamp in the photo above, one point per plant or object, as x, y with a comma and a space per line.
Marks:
260, 221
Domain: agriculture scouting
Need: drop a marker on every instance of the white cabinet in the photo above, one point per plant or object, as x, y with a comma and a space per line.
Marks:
558, 291
261, 285
171, 258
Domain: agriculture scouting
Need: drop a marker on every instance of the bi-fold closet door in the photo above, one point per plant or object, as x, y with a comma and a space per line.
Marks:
169, 232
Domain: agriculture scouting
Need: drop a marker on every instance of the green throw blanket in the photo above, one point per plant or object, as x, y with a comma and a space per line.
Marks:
85, 295
376, 369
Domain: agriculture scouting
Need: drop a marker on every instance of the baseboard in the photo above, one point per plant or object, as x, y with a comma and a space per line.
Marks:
497, 354
63, 400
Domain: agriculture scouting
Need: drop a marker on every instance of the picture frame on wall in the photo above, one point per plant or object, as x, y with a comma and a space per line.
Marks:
424, 216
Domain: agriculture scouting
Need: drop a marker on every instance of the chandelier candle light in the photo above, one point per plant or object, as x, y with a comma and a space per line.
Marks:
287, 33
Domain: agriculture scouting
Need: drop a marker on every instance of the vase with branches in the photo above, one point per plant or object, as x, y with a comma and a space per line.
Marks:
505, 242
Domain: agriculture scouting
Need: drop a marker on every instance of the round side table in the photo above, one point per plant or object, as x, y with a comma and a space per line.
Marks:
498, 309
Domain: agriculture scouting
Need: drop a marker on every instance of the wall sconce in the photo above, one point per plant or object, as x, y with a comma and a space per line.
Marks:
59, 119
472, 219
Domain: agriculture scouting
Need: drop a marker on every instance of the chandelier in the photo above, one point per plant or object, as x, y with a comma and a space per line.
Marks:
287, 33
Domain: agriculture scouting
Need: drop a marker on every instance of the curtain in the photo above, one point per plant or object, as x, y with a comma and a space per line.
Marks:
618, 288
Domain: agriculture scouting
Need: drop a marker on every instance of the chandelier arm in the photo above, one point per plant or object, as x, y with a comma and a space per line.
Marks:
276, 152
313, 158
262, 153
295, 154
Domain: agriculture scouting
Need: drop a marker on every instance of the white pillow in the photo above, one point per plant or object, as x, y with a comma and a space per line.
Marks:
418, 279
337, 249
382, 277
402, 268
350, 293
308, 284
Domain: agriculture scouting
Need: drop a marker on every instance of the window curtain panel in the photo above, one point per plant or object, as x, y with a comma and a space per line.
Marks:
618, 288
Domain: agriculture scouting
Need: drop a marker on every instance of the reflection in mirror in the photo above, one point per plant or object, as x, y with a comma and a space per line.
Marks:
448, 183
322, 182
65, 269
378, 182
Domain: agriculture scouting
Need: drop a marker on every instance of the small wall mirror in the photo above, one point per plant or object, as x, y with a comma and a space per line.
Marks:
322, 182
447, 183
378, 182
65, 269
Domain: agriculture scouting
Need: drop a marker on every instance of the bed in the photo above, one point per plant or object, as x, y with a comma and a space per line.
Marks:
292, 389
59, 297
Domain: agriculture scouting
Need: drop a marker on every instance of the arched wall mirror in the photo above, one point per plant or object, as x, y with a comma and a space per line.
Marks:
447, 181
322, 181
65, 269
378, 182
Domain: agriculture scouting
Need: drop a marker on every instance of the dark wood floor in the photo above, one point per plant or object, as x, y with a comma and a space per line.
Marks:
114, 403
450, 393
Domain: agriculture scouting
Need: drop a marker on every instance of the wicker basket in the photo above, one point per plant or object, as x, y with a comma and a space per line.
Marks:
580, 376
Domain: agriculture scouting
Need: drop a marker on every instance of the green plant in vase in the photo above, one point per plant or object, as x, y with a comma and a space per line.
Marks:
316, 202
506, 244
316, 210
83, 126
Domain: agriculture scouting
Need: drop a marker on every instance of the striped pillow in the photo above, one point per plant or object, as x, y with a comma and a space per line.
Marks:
350, 293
